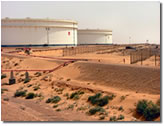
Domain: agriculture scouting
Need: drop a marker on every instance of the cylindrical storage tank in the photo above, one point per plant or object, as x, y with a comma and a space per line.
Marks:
38, 32
94, 36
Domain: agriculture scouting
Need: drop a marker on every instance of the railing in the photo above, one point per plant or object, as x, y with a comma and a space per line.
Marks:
143, 54
84, 49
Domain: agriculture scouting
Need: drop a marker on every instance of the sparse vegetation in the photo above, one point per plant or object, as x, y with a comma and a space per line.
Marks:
55, 106
54, 99
26, 80
59, 90
19, 93
148, 109
70, 107
3, 76
96, 109
16, 64
122, 98
21, 88
39, 95
76, 95
81, 108
3, 90
36, 87
20, 80
58, 110
30, 95
120, 117
6, 99
111, 97
68, 79
158, 102
29, 85
66, 95
102, 117
37, 74
120, 108
113, 118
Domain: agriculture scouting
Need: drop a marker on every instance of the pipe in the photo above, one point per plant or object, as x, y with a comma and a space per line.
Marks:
54, 57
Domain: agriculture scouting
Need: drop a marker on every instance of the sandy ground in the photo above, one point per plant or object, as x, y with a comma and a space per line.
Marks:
105, 73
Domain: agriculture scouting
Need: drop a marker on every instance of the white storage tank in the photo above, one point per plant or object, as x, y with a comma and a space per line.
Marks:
38, 32
94, 36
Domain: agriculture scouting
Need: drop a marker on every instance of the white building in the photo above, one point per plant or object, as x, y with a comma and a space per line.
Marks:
37, 32
94, 36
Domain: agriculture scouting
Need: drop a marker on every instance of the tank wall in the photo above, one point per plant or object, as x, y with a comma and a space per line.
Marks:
94, 39
37, 36
62, 36
23, 36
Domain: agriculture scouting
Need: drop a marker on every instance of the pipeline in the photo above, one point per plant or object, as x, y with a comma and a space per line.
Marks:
50, 70
58, 58
53, 57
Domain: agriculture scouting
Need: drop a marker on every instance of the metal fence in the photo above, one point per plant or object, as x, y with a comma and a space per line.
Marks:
143, 54
84, 49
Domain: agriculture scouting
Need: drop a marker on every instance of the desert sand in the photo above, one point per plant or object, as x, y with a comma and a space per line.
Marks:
105, 72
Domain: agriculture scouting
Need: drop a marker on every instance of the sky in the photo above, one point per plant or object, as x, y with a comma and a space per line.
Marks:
131, 22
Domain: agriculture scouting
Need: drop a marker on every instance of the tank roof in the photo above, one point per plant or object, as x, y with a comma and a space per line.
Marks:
38, 19
95, 30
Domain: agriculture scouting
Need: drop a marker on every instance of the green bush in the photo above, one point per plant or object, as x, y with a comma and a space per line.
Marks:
120, 108
158, 102
81, 108
113, 118
3, 76
94, 110
58, 110
148, 109
26, 80
68, 79
6, 99
49, 100
3, 90
29, 85
30, 96
111, 97
36, 88
55, 106
96, 100
151, 112
20, 93
37, 74
70, 107
103, 101
101, 117
55, 99
66, 95
141, 106
120, 117
122, 98
75, 95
